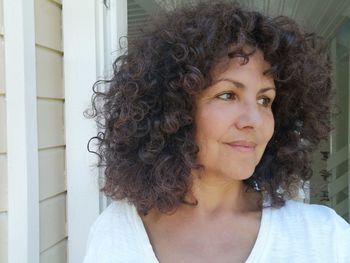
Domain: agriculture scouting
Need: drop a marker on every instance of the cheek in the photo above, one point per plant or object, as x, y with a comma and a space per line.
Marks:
210, 122
204, 132
269, 126
267, 132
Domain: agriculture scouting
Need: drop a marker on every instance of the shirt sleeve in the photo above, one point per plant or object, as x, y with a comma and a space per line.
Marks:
342, 239
90, 253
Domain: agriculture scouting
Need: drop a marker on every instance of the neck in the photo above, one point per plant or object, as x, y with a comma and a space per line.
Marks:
217, 195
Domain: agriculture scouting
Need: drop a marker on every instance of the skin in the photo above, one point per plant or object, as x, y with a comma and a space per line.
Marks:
223, 227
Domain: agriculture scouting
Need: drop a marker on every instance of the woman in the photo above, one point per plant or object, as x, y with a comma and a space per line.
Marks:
208, 126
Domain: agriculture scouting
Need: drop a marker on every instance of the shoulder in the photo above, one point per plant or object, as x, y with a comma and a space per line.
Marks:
299, 232
305, 211
112, 235
116, 215
309, 214
315, 222
313, 211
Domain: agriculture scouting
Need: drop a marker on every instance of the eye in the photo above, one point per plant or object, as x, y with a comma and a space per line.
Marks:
265, 101
227, 96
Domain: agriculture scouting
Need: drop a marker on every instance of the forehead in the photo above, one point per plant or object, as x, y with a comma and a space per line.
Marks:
256, 65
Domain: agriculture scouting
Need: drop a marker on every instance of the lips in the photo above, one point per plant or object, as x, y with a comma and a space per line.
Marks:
243, 146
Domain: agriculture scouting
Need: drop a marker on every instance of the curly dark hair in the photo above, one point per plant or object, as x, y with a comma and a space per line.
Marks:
146, 110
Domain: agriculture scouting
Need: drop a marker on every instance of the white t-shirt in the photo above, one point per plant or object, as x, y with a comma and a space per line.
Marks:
296, 232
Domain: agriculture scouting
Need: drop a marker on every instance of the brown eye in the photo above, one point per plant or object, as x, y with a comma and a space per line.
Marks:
227, 96
265, 101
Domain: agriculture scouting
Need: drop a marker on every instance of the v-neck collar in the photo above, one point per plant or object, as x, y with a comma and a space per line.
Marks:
141, 234
263, 234
254, 255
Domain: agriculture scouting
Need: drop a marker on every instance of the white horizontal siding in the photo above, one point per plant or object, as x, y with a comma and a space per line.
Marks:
51, 138
50, 123
2, 65
3, 237
3, 142
52, 221
55, 254
49, 73
3, 183
51, 172
48, 30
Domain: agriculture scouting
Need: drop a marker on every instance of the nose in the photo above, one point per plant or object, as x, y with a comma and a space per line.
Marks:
250, 117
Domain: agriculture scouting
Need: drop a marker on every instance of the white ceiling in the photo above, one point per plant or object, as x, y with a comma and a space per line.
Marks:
321, 16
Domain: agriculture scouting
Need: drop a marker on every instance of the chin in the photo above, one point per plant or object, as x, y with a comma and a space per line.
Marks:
240, 174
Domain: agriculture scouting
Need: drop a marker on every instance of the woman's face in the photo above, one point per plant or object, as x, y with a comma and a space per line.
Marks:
234, 120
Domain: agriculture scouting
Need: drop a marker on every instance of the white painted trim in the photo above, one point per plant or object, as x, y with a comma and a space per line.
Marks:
112, 24
79, 34
22, 144
115, 26
90, 35
101, 64
118, 28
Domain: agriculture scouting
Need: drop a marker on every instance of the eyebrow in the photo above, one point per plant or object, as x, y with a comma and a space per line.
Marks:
242, 86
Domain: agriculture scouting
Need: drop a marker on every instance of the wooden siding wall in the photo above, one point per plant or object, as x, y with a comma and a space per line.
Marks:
50, 108
3, 169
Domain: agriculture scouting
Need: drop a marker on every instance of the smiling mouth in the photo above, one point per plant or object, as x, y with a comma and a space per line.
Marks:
244, 147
